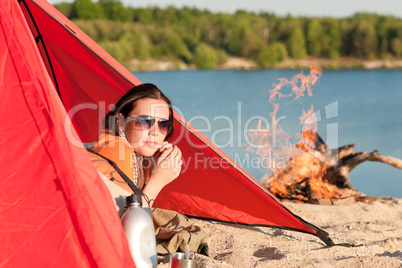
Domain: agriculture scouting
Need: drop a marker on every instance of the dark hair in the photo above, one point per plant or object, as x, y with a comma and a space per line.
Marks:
127, 103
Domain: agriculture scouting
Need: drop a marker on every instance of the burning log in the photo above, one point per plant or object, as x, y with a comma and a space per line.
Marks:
338, 174
343, 160
319, 172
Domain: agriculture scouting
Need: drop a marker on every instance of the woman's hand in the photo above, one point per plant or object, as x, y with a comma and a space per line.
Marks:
168, 164
167, 169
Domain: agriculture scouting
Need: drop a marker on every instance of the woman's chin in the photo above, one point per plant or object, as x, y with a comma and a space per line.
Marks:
146, 151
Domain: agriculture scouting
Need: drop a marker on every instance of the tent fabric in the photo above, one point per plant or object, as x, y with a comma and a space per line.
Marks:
55, 211
58, 61
209, 176
85, 74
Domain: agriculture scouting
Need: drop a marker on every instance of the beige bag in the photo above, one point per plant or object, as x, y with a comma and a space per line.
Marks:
173, 231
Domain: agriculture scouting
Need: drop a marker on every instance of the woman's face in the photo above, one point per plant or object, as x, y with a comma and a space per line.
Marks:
146, 141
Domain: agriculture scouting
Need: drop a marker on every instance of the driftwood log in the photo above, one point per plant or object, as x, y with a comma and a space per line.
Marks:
343, 160
337, 164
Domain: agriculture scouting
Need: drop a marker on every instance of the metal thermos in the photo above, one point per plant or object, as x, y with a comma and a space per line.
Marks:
140, 232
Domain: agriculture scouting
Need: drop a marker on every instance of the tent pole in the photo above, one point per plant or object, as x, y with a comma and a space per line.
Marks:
39, 39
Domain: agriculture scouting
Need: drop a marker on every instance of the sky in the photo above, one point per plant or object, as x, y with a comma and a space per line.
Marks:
319, 8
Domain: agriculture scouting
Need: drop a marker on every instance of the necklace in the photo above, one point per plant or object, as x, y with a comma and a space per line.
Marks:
135, 167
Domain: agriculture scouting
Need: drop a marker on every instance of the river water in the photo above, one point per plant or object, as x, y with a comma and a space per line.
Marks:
354, 106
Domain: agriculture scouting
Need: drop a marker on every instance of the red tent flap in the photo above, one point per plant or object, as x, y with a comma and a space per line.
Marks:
55, 209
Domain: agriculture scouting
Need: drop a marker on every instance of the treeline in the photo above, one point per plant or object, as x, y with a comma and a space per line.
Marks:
206, 39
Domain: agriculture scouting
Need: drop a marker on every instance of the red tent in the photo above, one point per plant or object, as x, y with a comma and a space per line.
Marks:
54, 210
54, 207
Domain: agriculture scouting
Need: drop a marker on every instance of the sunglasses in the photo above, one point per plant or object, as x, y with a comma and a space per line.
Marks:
145, 122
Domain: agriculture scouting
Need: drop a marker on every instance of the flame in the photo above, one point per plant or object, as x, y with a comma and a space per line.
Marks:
299, 84
308, 137
301, 176
309, 120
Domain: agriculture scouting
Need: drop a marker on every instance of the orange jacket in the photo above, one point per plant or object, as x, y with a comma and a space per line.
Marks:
122, 153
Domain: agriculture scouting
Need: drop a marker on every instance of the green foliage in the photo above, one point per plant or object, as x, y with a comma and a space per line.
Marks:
242, 36
206, 39
234, 44
315, 34
205, 56
102, 30
346, 29
365, 40
396, 46
143, 15
65, 8
395, 39
121, 50
86, 9
249, 44
177, 47
142, 46
271, 54
222, 57
331, 39
165, 16
385, 33
184, 16
115, 10
296, 43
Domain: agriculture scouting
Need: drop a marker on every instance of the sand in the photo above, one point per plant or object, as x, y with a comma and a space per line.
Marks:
376, 227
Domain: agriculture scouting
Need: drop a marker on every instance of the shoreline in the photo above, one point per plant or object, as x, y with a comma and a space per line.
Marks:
237, 63
368, 235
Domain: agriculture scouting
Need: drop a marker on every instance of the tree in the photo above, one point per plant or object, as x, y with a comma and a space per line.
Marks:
234, 42
86, 9
396, 47
332, 44
271, 54
347, 35
384, 29
205, 56
365, 40
179, 33
114, 10
121, 50
65, 8
89, 28
222, 57
315, 38
165, 16
184, 16
249, 43
296, 43
144, 16
176, 47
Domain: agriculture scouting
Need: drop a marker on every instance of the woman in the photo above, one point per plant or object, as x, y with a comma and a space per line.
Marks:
137, 134
136, 138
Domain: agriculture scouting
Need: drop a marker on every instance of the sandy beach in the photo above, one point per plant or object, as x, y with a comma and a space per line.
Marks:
374, 227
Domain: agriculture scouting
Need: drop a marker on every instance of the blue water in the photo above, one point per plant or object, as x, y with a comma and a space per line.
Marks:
363, 107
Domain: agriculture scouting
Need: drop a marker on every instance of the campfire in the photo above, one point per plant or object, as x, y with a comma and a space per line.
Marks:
310, 171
